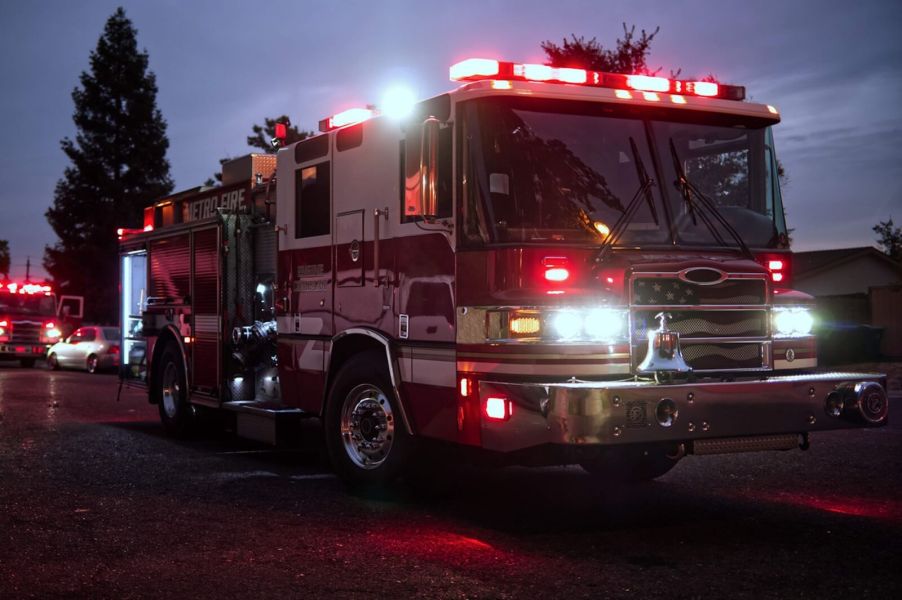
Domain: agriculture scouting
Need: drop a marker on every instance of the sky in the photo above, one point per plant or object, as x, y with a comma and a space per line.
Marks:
834, 69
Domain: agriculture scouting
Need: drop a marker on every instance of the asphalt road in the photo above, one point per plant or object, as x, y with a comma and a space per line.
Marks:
95, 501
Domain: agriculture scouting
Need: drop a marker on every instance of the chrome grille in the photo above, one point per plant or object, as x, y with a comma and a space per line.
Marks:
723, 356
668, 290
704, 323
723, 326
28, 332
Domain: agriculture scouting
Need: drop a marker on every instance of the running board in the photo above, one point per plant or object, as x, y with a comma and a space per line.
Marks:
264, 421
752, 443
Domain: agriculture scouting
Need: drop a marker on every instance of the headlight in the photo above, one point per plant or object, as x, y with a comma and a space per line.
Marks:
558, 325
567, 325
792, 321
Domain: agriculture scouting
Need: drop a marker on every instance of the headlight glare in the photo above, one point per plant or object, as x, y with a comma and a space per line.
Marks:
605, 324
567, 324
792, 321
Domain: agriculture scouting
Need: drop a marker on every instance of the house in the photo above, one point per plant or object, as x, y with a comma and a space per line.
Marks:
854, 287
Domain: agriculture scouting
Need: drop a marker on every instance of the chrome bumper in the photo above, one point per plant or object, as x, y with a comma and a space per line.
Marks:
23, 350
638, 412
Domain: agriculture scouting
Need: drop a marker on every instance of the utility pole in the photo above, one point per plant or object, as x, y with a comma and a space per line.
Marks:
28, 270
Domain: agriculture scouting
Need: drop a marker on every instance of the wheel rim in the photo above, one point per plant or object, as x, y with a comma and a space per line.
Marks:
171, 390
92, 364
367, 426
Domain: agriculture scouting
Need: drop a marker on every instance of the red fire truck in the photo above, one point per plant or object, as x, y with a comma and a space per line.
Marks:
29, 322
544, 266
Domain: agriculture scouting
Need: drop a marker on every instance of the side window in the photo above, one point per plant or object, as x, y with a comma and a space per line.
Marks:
311, 201
410, 173
88, 334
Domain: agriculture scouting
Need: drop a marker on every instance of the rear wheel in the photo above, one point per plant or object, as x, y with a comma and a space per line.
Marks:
171, 393
93, 364
27, 363
633, 464
366, 437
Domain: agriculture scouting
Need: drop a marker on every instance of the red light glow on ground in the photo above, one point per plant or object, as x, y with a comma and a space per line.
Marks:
890, 510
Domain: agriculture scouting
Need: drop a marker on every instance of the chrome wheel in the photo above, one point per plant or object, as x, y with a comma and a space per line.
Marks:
367, 426
92, 364
171, 390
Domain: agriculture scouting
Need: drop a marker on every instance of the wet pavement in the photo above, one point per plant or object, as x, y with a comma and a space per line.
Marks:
95, 501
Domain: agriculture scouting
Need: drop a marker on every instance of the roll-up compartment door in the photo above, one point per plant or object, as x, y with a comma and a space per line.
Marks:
207, 330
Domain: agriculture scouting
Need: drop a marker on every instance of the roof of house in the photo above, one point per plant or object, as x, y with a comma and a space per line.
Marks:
805, 264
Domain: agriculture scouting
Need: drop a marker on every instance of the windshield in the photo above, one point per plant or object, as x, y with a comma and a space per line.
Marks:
27, 304
543, 171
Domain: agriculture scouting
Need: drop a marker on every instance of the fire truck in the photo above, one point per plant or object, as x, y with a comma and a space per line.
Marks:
30, 320
543, 266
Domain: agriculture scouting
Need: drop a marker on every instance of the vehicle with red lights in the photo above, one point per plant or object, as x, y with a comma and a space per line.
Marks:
545, 266
27, 321
90, 348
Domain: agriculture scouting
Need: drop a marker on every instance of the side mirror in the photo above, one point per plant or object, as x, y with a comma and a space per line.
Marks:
429, 169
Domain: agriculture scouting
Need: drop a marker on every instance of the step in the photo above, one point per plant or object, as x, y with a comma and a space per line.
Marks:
263, 408
264, 421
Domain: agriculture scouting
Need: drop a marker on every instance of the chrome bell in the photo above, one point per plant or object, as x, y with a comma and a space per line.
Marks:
663, 355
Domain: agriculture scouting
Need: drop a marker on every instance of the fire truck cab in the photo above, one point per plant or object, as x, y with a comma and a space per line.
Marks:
29, 322
545, 265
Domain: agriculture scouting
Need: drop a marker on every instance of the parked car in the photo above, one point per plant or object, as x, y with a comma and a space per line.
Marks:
90, 348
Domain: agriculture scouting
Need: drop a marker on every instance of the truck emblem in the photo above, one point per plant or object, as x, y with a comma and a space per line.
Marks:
702, 276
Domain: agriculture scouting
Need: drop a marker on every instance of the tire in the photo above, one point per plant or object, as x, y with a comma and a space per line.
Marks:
93, 364
170, 389
366, 438
27, 363
52, 362
632, 465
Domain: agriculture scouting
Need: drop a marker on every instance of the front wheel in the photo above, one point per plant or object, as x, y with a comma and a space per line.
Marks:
53, 362
631, 465
171, 393
366, 437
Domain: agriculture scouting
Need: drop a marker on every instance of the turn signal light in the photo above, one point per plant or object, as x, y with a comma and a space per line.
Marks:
524, 325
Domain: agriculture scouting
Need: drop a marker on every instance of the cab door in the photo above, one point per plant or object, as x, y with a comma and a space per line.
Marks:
365, 196
303, 294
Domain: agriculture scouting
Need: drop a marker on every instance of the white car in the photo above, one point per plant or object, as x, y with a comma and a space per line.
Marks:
90, 348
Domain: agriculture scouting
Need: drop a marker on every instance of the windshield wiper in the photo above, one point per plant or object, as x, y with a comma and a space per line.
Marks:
646, 183
688, 189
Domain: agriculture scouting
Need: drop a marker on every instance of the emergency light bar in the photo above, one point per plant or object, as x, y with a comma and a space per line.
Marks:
27, 288
487, 69
351, 116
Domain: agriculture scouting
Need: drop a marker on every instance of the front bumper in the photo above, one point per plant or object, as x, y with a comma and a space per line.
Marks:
637, 412
22, 350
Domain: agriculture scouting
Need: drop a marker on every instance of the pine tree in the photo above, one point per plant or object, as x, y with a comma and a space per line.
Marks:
4, 259
118, 166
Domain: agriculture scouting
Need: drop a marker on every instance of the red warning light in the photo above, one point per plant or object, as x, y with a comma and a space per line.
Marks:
498, 408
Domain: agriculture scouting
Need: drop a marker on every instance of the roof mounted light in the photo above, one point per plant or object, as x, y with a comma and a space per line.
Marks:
28, 288
474, 69
481, 69
352, 116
